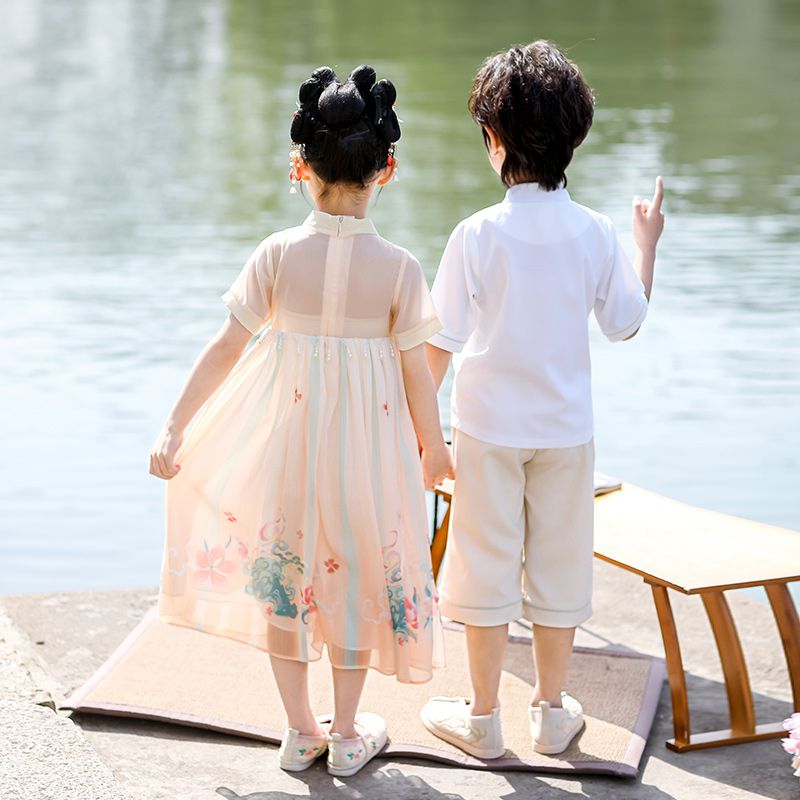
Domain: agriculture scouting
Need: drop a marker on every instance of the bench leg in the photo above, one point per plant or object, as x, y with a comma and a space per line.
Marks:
737, 681
677, 677
783, 607
440, 542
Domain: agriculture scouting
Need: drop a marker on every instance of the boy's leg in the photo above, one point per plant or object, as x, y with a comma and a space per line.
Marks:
292, 679
485, 648
559, 506
481, 582
552, 650
481, 586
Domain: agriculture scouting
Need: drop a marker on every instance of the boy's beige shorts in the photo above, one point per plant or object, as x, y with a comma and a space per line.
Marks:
521, 534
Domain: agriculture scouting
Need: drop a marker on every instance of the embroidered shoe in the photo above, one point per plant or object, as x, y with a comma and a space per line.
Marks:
552, 729
450, 719
299, 751
348, 756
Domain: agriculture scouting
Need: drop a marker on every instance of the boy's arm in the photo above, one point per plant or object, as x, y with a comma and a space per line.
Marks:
648, 223
438, 362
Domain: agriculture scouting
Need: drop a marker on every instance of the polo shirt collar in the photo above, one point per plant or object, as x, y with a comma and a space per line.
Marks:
533, 193
340, 225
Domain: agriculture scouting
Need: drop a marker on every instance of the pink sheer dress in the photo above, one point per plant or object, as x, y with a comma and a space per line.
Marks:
298, 518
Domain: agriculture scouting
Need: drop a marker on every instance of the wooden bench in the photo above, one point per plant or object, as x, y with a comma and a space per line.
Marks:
697, 552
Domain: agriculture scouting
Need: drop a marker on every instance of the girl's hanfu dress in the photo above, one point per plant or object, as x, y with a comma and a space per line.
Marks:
298, 517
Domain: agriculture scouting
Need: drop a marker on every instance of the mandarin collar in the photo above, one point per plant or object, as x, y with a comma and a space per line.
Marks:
341, 225
533, 193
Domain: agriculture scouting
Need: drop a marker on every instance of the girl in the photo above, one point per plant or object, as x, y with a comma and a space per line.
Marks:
295, 508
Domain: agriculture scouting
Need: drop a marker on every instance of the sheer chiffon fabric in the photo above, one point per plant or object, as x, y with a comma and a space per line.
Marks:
298, 518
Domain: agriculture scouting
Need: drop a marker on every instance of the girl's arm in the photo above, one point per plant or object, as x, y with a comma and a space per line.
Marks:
210, 369
438, 362
437, 463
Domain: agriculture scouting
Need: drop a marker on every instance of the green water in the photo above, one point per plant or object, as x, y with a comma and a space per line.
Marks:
143, 153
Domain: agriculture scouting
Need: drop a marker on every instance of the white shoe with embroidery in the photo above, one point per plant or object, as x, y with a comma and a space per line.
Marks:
552, 729
348, 756
450, 719
299, 751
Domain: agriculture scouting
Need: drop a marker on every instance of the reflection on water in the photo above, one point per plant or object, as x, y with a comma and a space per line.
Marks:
144, 151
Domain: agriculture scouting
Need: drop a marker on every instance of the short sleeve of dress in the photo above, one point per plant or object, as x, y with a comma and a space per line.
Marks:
620, 305
414, 319
250, 296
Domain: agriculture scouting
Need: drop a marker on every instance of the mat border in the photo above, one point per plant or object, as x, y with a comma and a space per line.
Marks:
626, 768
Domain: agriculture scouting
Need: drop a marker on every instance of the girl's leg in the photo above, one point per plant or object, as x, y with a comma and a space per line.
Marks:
292, 679
552, 648
485, 648
347, 687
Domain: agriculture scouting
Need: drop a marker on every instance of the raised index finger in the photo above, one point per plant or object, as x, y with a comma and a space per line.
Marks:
658, 196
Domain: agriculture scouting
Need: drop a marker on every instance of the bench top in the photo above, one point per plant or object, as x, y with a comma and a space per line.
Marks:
687, 548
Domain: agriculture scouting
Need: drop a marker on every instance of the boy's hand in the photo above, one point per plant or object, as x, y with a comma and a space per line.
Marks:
162, 456
437, 464
648, 221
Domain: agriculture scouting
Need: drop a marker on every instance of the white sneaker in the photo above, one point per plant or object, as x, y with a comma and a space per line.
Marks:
450, 719
348, 756
299, 751
552, 729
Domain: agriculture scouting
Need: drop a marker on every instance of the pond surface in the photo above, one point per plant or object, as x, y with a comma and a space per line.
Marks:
143, 153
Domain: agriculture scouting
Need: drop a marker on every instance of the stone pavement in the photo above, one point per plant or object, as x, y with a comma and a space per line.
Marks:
42, 754
65, 637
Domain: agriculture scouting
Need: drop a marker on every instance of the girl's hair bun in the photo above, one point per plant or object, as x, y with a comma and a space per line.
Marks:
305, 120
364, 78
386, 123
341, 105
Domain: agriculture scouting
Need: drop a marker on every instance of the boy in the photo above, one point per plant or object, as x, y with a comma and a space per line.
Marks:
514, 290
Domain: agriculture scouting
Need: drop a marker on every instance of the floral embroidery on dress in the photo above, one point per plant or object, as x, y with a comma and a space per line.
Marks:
407, 613
229, 516
394, 588
212, 565
270, 573
307, 598
297, 396
386, 408
331, 565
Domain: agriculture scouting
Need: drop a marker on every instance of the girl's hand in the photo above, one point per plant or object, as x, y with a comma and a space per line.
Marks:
648, 221
162, 456
437, 464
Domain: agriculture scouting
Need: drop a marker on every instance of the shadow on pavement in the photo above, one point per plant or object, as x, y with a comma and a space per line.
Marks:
389, 784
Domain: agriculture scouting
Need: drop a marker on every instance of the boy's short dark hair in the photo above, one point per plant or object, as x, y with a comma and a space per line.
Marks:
538, 104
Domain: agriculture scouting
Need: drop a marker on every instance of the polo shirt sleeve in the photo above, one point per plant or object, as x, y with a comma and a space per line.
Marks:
454, 294
620, 305
413, 315
250, 296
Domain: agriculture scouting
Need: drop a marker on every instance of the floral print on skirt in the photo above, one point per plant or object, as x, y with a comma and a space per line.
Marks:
298, 517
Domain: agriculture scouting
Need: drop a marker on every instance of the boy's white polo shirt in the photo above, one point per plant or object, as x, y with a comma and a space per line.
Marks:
515, 287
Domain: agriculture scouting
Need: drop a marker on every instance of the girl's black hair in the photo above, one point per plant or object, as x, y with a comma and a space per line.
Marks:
346, 131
